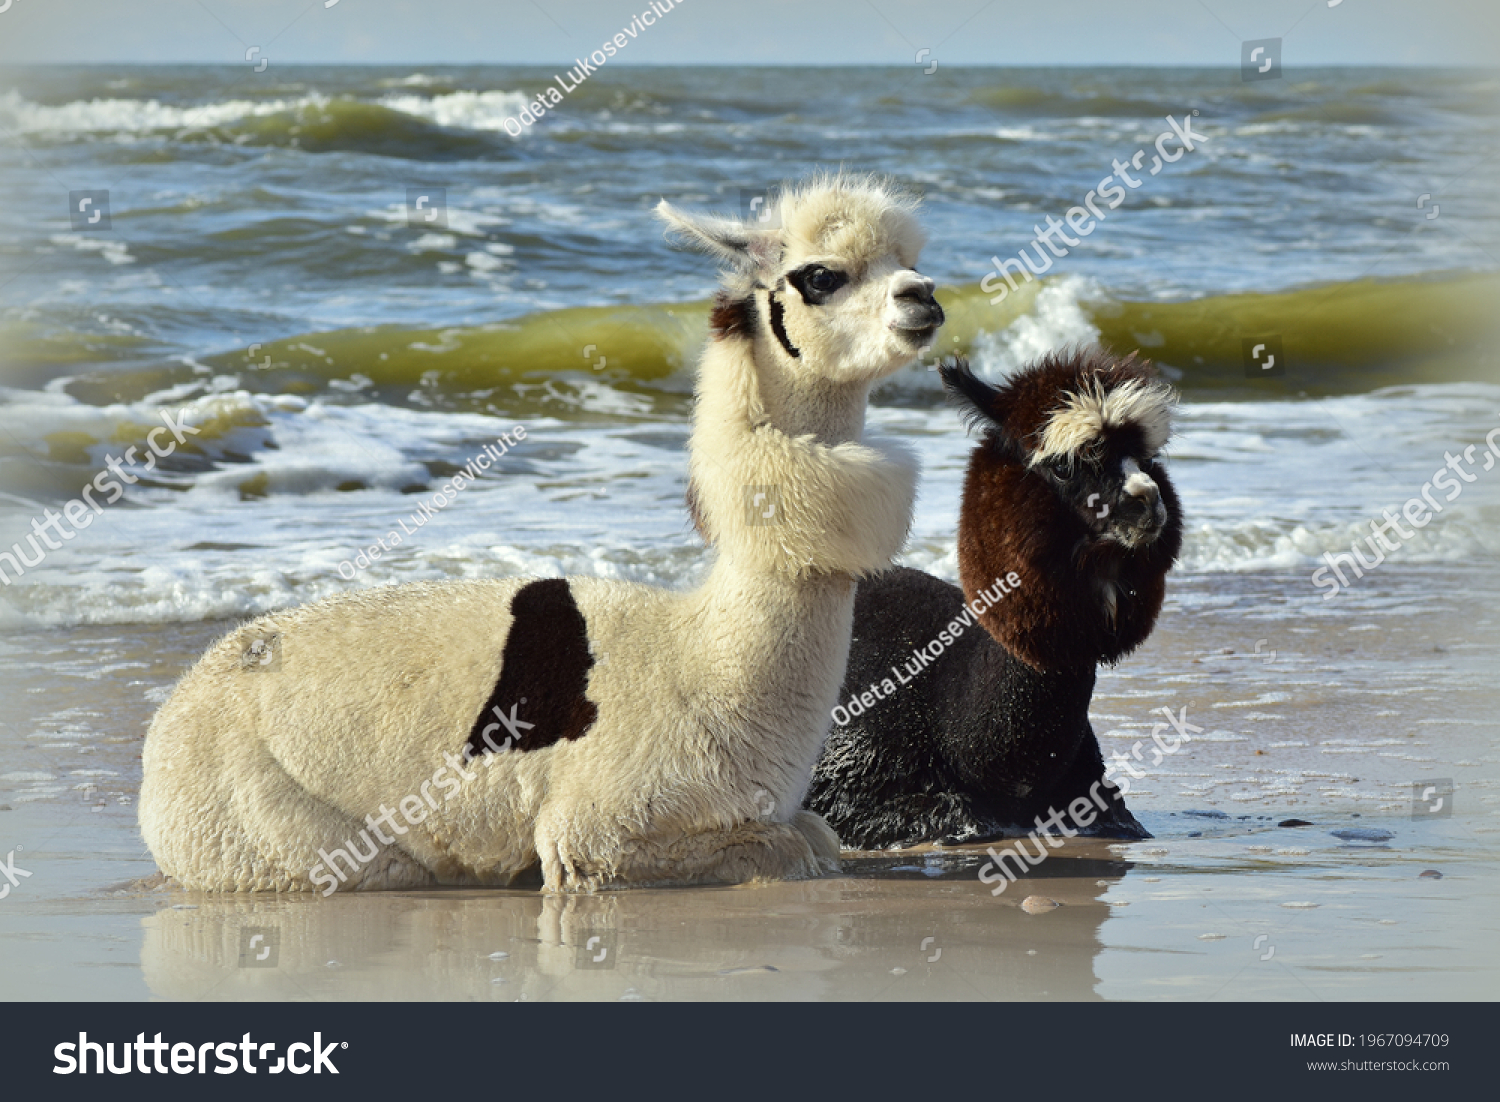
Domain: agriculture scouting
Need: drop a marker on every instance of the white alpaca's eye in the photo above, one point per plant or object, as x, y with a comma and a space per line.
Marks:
823, 281
817, 283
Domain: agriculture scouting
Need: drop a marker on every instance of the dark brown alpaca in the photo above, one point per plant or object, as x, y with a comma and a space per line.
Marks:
1067, 529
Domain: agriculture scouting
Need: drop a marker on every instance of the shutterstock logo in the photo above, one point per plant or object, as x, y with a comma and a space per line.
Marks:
427, 207
89, 210
86, 1057
1264, 358
12, 873
1432, 799
758, 204
260, 947
1260, 59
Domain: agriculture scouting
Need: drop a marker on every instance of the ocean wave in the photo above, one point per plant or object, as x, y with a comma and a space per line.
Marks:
1347, 338
1343, 338
461, 110
442, 127
134, 116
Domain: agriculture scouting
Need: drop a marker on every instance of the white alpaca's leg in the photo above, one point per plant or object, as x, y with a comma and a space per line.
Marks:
267, 833
746, 852
821, 837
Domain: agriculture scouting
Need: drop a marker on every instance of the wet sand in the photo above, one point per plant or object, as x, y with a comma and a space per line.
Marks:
1388, 686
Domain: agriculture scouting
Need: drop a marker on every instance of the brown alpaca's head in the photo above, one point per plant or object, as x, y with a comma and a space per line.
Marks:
1066, 489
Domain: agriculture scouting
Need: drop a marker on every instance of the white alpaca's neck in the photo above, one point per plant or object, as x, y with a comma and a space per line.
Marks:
799, 491
779, 645
801, 403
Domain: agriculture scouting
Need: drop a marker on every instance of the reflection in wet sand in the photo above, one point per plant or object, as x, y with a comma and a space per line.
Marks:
934, 934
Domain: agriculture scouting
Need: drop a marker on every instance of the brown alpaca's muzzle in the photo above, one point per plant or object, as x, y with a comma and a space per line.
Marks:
1139, 516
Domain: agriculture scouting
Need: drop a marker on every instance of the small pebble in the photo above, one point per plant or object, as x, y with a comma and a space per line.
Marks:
1151, 880
1388, 922
1430, 874
1211, 937
1294, 823
1195, 834
499, 956
1031, 952
1293, 852
898, 971
1119, 902
333, 964
1037, 904
1301, 905
499, 979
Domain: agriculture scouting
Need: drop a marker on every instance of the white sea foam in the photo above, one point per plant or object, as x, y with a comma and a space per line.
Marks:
135, 115
1265, 486
1056, 320
460, 110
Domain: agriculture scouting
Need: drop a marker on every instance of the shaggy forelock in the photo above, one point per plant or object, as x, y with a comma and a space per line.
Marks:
1080, 423
853, 220
856, 218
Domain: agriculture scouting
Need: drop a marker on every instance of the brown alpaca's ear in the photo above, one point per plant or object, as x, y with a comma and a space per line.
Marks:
980, 404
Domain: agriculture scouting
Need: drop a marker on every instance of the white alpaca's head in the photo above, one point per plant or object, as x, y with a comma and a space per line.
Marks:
827, 286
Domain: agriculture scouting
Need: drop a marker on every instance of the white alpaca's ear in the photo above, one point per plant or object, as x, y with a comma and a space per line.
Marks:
727, 239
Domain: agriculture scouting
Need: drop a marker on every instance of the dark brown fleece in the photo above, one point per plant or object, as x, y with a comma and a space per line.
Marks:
1013, 520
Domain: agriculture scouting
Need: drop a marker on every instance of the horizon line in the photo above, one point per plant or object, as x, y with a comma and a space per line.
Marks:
543, 66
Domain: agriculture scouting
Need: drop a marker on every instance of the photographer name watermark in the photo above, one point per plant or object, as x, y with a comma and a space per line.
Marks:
445, 496
531, 113
924, 656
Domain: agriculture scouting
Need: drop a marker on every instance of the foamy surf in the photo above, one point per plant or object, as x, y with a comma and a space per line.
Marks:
284, 489
462, 110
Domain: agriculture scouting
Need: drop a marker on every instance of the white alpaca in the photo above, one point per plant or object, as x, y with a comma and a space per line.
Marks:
613, 733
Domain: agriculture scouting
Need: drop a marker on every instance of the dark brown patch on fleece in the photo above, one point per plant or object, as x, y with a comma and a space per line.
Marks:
1011, 519
544, 673
732, 317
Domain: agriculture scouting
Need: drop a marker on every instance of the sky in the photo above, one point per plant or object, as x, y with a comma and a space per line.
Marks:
763, 32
